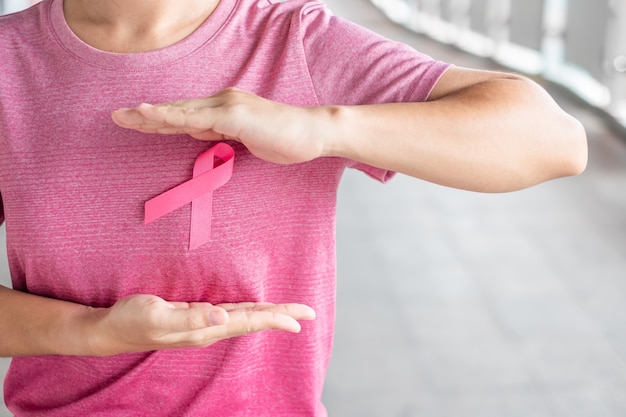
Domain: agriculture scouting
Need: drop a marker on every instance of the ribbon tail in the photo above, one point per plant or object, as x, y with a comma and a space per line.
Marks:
201, 207
201, 214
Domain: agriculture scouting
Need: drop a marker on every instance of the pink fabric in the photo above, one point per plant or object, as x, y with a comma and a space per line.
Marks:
73, 188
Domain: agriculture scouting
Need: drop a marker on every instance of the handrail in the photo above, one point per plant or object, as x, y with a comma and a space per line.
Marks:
579, 44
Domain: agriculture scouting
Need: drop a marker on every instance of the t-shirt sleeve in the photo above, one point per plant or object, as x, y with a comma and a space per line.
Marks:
352, 65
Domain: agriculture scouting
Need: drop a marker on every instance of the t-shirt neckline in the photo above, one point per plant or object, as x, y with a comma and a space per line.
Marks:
158, 57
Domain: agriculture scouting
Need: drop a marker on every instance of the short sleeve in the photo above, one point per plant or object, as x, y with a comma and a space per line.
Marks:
379, 174
351, 65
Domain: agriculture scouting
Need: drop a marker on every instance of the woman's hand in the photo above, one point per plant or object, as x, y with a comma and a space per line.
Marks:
35, 325
479, 130
271, 131
145, 322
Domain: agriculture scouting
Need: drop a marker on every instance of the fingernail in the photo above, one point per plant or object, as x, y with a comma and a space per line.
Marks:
298, 328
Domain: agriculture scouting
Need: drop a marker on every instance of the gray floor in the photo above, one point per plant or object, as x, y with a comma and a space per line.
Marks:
460, 304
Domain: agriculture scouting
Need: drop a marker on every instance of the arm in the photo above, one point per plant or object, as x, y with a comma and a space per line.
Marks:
34, 325
479, 130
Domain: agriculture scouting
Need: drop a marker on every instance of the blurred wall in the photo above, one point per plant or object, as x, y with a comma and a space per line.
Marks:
10, 6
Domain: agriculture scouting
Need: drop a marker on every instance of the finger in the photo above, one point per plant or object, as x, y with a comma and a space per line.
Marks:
243, 322
128, 118
243, 319
132, 118
168, 130
250, 305
191, 317
207, 135
178, 115
146, 116
240, 323
191, 103
295, 310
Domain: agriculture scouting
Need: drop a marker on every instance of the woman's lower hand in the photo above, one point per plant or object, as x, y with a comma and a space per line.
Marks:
145, 322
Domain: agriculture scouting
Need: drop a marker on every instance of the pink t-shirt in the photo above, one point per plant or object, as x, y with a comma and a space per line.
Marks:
73, 187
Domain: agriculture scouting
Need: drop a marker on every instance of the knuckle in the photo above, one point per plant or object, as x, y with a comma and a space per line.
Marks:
194, 321
251, 328
233, 100
153, 317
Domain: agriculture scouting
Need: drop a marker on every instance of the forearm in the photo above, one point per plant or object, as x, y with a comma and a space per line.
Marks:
34, 325
501, 134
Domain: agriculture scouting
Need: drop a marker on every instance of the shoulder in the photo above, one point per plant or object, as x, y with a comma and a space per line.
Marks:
25, 20
276, 12
288, 6
22, 28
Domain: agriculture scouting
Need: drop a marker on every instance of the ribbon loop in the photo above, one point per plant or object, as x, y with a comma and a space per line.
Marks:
198, 191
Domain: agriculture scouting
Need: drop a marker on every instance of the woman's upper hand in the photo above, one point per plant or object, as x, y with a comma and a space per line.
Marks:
145, 322
272, 131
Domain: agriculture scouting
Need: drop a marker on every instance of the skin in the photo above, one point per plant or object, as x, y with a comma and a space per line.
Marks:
480, 131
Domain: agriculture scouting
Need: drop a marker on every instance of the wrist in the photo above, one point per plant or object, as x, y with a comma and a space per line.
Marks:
335, 131
80, 332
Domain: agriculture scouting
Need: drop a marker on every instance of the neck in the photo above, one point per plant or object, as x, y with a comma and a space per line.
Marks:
135, 25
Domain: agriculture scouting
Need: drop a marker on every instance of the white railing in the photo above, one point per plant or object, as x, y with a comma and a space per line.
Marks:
580, 44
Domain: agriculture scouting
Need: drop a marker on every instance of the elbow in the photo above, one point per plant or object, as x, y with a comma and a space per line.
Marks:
573, 152
555, 142
561, 140
561, 153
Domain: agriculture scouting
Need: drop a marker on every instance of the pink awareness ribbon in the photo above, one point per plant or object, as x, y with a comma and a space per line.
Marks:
207, 177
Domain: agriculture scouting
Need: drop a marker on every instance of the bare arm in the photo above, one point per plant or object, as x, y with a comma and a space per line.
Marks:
37, 325
480, 130
34, 325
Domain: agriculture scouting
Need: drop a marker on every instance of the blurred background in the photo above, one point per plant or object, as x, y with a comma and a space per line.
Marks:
455, 303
